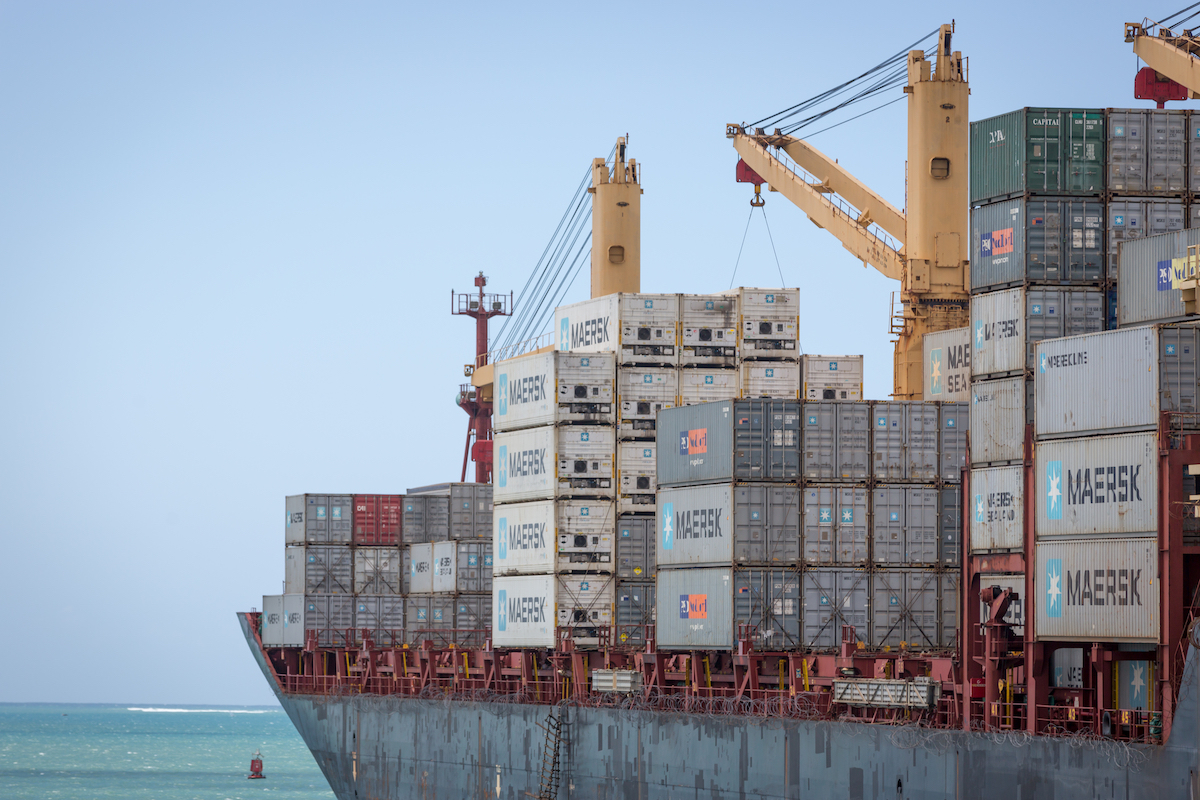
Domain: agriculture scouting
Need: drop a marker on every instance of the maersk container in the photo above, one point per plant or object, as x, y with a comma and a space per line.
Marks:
448, 511
1114, 381
1151, 271
462, 567
429, 616
420, 568
708, 328
332, 617
1040, 240
950, 526
835, 524
633, 612
318, 569
524, 538
947, 359
636, 470
834, 598
724, 524
1097, 590
643, 392
472, 619
636, 538
1039, 151
377, 570
1000, 410
383, 616
997, 509
831, 378
770, 379
545, 463
426, 519
378, 519
527, 608
743, 440
554, 535
318, 519
770, 323
907, 610
954, 432
1131, 218
836, 441
706, 385
554, 388
1098, 485
283, 620
590, 326
639, 328
585, 535
1007, 324
905, 524
904, 441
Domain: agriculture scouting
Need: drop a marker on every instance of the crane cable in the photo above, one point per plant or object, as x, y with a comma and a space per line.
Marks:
1167, 20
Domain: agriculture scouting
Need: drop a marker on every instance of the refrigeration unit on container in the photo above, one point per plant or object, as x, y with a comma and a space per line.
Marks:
723, 524
1097, 590
464, 566
833, 598
1007, 324
947, 359
554, 388
835, 524
319, 569
636, 557
378, 519
332, 617
997, 509
527, 608
472, 619
904, 441
636, 468
743, 440
1000, 409
1151, 272
547, 463
585, 535
831, 378
377, 570
383, 616
704, 608
429, 616
1038, 150
1131, 218
905, 525
1039, 240
318, 519
908, 609
770, 379
836, 441
642, 393
1098, 485
1114, 381
639, 328
634, 610
708, 327
770, 323
707, 384
1147, 151
283, 620
448, 511
554, 536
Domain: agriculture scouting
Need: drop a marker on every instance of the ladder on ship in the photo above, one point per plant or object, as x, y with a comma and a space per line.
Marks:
550, 751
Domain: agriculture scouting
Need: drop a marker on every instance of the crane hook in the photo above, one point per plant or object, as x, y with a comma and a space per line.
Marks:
758, 201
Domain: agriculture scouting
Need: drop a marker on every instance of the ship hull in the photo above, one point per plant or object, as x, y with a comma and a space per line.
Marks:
400, 748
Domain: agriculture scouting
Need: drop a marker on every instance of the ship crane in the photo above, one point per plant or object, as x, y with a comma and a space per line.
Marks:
924, 246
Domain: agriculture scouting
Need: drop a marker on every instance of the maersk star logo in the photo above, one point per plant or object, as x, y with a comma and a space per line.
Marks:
585, 436
770, 373
502, 537
1042, 363
825, 517
1137, 683
847, 515
1054, 587
502, 391
979, 508
564, 334
502, 465
1036, 308
1054, 490
668, 526
502, 611
979, 335
935, 371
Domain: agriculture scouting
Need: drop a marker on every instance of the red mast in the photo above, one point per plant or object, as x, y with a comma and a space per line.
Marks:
477, 401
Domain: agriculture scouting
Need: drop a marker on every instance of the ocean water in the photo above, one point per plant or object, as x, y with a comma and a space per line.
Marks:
69, 752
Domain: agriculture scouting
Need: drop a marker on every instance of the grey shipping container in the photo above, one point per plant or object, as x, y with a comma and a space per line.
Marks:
1007, 324
904, 441
1037, 240
1131, 218
1151, 270
319, 569
1097, 485
952, 448
635, 548
426, 519
837, 441
1115, 381
283, 620
462, 567
332, 617
905, 524
950, 526
634, 603
723, 524
907, 609
997, 509
472, 619
383, 616
319, 519
1000, 410
706, 608
377, 570
1193, 138
1038, 150
835, 525
424, 613
1147, 151
729, 440
1097, 590
833, 598
469, 511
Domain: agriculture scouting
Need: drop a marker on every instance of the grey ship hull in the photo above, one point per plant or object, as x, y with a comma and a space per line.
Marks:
396, 748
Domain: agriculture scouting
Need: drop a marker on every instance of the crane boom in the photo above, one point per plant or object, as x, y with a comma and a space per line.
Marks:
1169, 55
811, 197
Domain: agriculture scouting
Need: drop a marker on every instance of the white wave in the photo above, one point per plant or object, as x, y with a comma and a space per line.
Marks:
204, 710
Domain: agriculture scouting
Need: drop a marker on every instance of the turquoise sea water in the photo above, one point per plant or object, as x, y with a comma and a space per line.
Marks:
69, 752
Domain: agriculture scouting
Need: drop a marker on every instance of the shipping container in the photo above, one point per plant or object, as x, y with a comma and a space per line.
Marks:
524, 538
1066, 667
425, 518
950, 525
947, 359
332, 617
378, 519
707, 385
831, 378
643, 392
639, 328
833, 598
283, 620
636, 473
420, 568
1128, 149
377, 570
1007, 325
835, 525
1136, 681
1097, 590
472, 619
723, 524
905, 524
1131, 218
429, 616
554, 388
1099, 485
318, 569
636, 558
1114, 381
526, 609
1000, 410
998, 509
462, 567
590, 326
907, 610
1168, 151
1038, 240
545, 463
383, 616
318, 519
904, 441
406, 573
770, 379
1193, 146
708, 325
744, 440
953, 443
448, 511
585, 535
770, 323
634, 611
1152, 269
836, 441
706, 608
1038, 150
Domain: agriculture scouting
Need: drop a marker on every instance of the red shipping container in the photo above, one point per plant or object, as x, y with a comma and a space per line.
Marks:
378, 518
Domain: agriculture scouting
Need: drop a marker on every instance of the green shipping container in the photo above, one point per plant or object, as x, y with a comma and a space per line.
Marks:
1056, 151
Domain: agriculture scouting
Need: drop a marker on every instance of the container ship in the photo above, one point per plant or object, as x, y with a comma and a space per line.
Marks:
698, 562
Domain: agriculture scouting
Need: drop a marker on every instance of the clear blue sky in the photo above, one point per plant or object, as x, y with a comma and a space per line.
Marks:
229, 232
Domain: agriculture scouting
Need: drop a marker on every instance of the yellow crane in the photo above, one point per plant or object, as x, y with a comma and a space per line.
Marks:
925, 246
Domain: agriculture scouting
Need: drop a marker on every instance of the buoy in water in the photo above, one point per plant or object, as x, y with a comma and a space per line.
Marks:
256, 766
